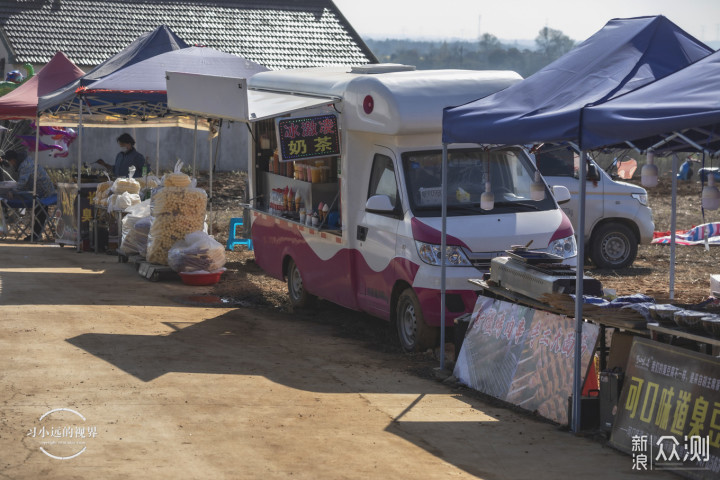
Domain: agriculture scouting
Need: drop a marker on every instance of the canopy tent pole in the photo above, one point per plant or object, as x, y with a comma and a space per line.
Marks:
194, 172
673, 224
157, 154
79, 183
443, 248
577, 376
210, 161
35, 174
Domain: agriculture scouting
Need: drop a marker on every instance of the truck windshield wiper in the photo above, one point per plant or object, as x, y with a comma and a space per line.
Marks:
525, 205
470, 207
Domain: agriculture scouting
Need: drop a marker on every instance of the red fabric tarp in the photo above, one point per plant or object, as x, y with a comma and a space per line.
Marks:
22, 102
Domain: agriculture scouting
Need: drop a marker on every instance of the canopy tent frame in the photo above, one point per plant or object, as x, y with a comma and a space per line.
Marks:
548, 107
682, 117
146, 122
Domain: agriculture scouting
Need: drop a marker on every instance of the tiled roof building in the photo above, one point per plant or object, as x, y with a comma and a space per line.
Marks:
276, 33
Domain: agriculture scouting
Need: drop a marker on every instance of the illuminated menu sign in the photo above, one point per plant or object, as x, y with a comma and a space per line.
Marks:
308, 137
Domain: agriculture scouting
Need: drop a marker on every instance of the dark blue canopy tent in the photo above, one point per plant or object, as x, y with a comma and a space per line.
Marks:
140, 89
147, 45
679, 113
623, 56
546, 107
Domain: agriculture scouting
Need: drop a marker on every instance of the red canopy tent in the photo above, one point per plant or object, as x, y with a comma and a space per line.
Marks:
22, 102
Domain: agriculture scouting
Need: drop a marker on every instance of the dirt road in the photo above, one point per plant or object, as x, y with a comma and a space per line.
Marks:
160, 389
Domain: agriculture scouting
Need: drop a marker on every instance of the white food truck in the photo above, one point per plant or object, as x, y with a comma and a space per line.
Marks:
345, 188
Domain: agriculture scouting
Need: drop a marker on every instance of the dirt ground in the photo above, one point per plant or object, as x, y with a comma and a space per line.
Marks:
108, 375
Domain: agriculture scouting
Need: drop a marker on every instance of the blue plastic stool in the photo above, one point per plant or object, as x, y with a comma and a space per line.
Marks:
236, 235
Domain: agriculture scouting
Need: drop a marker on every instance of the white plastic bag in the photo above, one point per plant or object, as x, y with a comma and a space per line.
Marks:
134, 213
119, 202
136, 239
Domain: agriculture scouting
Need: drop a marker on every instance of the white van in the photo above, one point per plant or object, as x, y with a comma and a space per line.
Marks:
368, 152
617, 216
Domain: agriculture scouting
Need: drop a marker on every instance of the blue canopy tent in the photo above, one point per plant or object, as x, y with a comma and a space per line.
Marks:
678, 113
547, 106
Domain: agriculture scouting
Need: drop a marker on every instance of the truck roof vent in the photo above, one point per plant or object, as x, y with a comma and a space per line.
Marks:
374, 68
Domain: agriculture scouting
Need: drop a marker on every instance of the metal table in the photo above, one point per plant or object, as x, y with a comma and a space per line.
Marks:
709, 342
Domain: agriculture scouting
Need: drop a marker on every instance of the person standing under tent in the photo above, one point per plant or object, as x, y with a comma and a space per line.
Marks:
126, 158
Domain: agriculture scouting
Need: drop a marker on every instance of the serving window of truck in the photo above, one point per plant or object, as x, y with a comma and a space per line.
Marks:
297, 160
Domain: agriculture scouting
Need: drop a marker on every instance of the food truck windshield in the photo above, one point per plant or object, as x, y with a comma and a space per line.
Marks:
509, 172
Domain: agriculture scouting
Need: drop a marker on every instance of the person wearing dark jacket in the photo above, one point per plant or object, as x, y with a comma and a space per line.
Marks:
127, 157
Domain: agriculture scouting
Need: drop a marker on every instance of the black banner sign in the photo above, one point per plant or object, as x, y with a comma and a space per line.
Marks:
669, 411
67, 226
308, 137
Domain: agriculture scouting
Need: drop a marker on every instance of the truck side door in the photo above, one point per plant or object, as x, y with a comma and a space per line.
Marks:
376, 237
564, 173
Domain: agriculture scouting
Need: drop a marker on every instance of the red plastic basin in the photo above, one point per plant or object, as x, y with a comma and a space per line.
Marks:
194, 278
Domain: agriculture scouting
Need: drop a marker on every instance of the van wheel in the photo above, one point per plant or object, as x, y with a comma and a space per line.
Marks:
415, 335
299, 297
613, 246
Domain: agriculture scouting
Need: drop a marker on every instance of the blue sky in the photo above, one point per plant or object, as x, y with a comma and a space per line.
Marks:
519, 19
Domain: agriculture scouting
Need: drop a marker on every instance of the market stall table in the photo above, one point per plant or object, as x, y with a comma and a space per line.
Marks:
100, 211
657, 330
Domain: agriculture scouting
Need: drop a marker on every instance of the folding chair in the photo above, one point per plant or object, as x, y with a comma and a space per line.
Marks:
18, 217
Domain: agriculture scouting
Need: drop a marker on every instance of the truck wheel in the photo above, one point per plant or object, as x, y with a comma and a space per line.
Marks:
613, 246
299, 297
415, 335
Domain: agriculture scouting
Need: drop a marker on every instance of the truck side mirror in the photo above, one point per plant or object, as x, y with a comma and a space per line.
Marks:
380, 204
593, 175
561, 194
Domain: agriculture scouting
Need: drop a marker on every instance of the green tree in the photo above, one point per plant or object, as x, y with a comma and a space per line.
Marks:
489, 43
553, 43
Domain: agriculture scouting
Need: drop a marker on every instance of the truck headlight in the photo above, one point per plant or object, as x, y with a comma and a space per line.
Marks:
640, 197
564, 247
454, 256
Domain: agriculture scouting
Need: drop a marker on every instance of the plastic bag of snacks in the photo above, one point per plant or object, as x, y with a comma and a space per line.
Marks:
102, 193
135, 213
149, 182
177, 178
126, 184
136, 239
177, 211
198, 251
